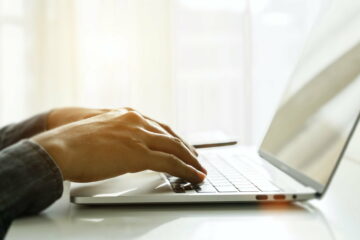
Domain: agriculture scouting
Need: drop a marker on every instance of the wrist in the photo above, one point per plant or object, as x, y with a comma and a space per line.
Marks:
55, 148
52, 119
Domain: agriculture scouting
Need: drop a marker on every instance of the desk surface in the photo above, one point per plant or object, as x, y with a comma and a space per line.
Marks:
336, 216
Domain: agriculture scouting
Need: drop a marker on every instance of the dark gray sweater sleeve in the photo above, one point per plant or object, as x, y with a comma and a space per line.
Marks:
30, 181
15, 132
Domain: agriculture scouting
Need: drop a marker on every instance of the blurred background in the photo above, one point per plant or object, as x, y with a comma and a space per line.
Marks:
198, 65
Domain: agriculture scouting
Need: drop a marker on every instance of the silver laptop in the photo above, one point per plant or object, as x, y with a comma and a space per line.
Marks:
299, 153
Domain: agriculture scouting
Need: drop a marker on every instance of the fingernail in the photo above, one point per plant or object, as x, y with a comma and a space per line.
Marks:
204, 170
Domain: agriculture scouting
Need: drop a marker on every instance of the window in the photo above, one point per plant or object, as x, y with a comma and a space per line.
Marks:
12, 60
197, 65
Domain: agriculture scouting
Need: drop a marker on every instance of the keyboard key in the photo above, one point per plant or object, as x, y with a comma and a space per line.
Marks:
187, 186
178, 189
238, 178
244, 185
223, 185
176, 180
226, 189
218, 176
248, 189
215, 182
205, 189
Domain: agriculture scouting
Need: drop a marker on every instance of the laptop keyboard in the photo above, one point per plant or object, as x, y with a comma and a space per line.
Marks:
226, 175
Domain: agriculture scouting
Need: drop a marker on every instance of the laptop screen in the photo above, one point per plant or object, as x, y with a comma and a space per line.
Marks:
312, 125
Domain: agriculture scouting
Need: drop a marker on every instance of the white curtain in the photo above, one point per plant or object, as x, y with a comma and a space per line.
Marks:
198, 65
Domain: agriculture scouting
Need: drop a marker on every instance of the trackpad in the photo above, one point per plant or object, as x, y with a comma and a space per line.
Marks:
146, 182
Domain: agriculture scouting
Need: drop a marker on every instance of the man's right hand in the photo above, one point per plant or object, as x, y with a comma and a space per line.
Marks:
118, 142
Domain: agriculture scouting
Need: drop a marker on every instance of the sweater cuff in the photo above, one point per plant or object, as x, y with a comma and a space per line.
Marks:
31, 180
15, 132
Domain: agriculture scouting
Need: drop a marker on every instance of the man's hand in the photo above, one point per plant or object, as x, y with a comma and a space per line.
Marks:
109, 143
62, 116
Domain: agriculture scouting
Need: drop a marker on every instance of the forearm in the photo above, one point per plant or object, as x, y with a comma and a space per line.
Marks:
29, 181
13, 133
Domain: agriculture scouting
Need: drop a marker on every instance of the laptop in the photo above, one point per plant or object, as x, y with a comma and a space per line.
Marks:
299, 154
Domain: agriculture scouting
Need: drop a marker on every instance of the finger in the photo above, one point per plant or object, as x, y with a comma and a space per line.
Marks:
182, 151
171, 132
175, 146
150, 126
164, 162
167, 129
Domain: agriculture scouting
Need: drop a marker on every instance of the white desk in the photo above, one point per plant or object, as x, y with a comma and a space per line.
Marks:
336, 216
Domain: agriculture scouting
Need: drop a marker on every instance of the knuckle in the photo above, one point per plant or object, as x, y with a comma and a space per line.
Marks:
178, 143
130, 109
133, 116
137, 131
176, 140
165, 126
105, 110
134, 142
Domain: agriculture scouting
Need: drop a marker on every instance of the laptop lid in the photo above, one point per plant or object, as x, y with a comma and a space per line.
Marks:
319, 112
